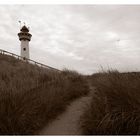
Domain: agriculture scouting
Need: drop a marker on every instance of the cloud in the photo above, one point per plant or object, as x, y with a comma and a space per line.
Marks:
80, 37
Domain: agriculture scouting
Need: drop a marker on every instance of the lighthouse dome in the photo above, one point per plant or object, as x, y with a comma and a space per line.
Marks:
24, 29
24, 34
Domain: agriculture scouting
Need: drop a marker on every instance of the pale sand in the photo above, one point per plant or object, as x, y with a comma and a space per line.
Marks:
68, 122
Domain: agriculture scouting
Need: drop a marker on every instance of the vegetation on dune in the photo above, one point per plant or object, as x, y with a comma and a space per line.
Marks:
115, 106
31, 97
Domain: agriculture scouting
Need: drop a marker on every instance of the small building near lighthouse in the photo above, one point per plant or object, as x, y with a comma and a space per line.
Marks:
24, 37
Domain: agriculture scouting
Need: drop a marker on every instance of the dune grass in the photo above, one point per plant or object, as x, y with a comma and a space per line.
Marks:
115, 105
31, 97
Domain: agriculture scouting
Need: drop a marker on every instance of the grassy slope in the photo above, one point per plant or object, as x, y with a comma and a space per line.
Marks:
31, 97
115, 107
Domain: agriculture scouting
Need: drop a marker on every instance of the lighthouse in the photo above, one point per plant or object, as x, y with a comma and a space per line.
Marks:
24, 37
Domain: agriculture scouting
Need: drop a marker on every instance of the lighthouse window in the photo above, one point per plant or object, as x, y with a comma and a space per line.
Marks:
24, 49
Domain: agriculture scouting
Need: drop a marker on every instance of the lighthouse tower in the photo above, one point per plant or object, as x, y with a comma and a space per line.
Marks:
24, 37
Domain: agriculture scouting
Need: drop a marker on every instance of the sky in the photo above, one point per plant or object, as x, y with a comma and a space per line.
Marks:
85, 38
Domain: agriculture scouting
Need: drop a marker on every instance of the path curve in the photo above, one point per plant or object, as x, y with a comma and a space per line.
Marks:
67, 122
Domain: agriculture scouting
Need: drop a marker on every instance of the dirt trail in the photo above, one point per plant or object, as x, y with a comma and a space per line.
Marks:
67, 123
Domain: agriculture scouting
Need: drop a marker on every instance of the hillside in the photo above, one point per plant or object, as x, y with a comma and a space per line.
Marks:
37, 101
115, 105
31, 97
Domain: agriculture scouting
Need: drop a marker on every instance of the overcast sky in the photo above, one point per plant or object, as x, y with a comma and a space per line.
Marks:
79, 37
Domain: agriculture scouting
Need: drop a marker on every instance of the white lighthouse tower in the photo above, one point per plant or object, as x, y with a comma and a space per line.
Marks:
24, 37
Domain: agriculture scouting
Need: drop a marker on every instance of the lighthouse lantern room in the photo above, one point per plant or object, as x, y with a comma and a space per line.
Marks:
24, 37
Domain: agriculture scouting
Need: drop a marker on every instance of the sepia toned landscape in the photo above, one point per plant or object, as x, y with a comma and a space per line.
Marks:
46, 102
77, 80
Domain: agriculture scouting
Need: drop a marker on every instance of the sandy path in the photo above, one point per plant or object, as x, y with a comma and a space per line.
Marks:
67, 123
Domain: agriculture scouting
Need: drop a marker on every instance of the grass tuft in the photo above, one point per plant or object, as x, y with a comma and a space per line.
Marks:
115, 106
31, 97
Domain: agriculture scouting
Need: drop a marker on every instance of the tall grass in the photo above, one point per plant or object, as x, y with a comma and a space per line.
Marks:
115, 106
31, 97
